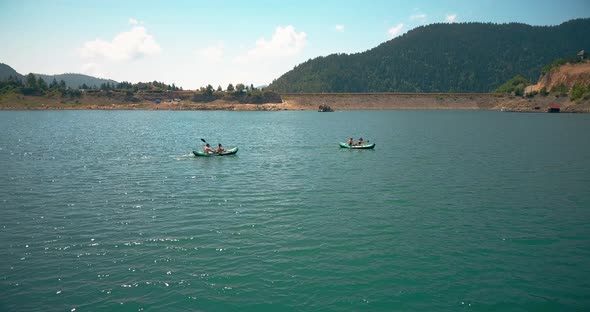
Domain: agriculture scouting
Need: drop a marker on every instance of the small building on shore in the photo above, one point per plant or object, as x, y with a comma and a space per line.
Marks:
553, 108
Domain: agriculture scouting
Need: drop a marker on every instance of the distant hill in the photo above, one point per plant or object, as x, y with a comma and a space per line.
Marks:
466, 57
72, 80
76, 80
7, 71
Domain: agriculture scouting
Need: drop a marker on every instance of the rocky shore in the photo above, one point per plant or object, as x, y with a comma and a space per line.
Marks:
431, 101
311, 101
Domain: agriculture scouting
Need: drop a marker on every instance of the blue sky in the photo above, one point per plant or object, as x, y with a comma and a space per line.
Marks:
194, 43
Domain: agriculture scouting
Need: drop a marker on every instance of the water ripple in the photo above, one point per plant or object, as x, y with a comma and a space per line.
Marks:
110, 211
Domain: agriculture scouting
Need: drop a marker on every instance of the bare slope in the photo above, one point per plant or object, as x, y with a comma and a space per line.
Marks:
567, 75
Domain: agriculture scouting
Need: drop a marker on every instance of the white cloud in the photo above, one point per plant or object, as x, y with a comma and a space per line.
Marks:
418, 17
264, 57
339, 27
285, 42
258, 63
451, 18
395, 30
133, 21
92, 69
132, 44
212, 54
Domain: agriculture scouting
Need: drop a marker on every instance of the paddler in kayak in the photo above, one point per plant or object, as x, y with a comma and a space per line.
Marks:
360, 142
350, 142
220, 149
207, 149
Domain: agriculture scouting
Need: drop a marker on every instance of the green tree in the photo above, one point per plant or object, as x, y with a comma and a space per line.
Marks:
219, 89
515, 85
240, 87
230, 88
12, 84
209, 90
31, 81
53, 85
560, 88
579, 91
41, 84
125, 85
107, 86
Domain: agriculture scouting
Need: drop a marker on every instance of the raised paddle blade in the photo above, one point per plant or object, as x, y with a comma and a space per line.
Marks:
203, 140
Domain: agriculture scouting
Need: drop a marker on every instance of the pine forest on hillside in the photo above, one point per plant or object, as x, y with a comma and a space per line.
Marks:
466, 57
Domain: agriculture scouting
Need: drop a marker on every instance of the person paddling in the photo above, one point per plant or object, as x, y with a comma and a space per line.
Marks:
220, 149
360, 142
350, 142
207, 149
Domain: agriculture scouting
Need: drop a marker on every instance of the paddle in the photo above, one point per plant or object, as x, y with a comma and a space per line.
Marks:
206, 143
214, 152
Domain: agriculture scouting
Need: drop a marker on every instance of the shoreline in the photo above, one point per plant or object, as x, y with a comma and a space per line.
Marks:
311, 102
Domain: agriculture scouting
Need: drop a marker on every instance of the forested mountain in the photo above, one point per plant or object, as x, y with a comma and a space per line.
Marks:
7, 72
465, 57
74, 81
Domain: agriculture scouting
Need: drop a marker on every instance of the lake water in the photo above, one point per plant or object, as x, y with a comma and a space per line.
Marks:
452, 211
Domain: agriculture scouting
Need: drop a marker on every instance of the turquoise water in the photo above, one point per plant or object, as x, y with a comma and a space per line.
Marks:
452, 211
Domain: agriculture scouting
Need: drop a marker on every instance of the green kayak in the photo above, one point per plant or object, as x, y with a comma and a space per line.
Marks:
230, 151
364, 146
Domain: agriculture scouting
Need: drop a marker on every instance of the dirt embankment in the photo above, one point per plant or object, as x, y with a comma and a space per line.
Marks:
567, 75
377, 101
429, 101
343, 101
103, 101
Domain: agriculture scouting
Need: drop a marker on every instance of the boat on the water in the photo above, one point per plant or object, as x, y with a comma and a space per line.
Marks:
363, 146
230, 151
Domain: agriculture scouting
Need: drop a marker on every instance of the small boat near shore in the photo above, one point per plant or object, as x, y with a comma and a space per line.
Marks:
230, 151
364, 146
